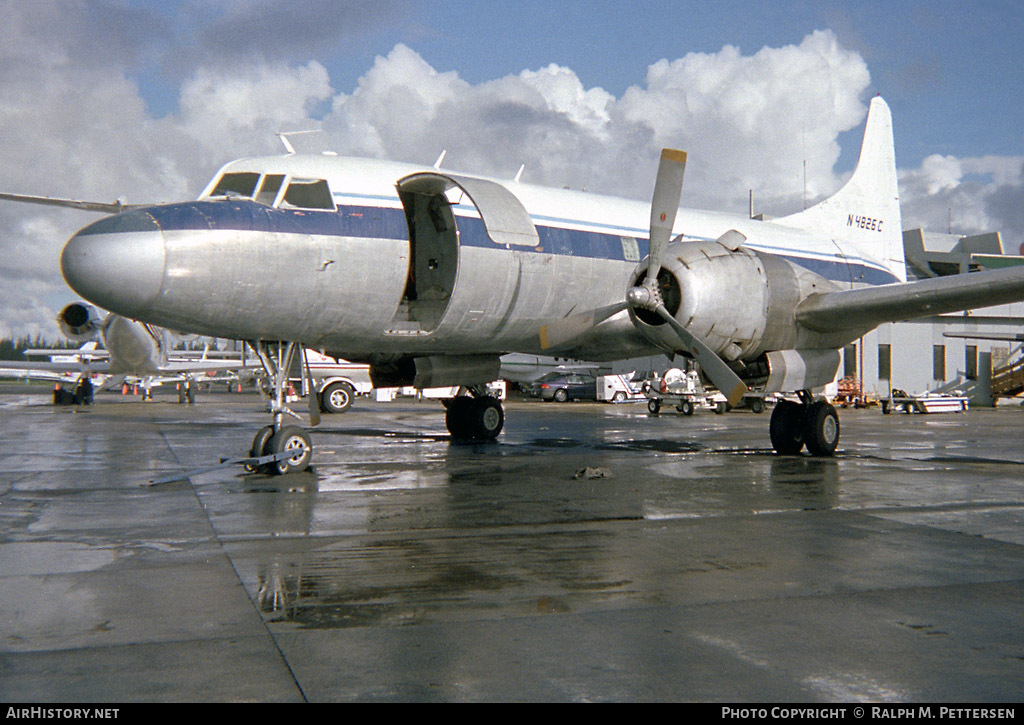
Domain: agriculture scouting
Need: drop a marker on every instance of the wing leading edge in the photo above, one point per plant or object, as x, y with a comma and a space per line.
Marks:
872, 306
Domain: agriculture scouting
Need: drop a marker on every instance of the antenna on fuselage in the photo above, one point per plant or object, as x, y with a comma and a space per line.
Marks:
437, 164
519, 173
283, 135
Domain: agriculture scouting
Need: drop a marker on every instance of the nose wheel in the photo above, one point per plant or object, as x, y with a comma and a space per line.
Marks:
290, 440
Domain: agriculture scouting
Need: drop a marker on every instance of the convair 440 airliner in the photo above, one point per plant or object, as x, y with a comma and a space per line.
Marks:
431, 276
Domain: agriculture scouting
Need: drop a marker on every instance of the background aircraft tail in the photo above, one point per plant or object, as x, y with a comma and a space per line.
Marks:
864, 215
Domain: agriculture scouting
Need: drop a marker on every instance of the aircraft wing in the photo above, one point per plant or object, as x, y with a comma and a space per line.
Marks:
871, 306
202, 366
1004, 336
22, 373
88, 355
55, 367
176, 367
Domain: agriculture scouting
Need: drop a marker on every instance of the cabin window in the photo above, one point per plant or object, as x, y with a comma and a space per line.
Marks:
236, 184
308, 194
268, 191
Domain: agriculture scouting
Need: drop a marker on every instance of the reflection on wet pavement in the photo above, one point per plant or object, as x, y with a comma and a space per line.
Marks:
786, 577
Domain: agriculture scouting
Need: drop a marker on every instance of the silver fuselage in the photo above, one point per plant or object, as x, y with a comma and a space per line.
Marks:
340, 278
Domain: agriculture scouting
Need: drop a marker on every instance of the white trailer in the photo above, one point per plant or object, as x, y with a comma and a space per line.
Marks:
619, 389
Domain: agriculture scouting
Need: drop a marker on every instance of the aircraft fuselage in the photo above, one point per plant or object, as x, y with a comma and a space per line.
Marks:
371, 277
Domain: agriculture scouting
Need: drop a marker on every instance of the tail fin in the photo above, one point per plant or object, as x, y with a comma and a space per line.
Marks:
864, 215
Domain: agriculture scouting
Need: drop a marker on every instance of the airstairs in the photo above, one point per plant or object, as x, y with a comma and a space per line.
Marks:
1008, 379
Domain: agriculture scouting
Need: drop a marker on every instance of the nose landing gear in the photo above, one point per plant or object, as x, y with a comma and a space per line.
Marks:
279, 448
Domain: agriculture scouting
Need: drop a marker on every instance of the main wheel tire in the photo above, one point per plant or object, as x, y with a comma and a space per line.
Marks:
785, 428
821, 429
457, 415
295, 439
259, 447
336, 398
488, 418
479, 419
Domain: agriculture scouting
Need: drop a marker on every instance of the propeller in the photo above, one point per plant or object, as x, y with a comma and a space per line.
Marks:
668, 189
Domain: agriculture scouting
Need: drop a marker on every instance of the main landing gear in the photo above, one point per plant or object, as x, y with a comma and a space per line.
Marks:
810, 422
474, 417
280, 448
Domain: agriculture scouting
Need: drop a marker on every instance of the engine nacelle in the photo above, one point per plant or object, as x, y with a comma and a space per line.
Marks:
740, 302
435, 371
80, 322
800, 369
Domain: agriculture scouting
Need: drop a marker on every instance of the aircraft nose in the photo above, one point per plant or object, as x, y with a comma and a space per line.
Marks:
117, 263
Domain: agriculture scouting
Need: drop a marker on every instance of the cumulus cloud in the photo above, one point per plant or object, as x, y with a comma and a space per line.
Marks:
748, 121
76, 125
966, 196
238, 111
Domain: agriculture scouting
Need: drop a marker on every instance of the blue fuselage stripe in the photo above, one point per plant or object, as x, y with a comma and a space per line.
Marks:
378, 222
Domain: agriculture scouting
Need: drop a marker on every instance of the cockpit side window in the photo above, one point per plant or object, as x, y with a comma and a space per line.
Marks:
308, 194
268, 191
236, 184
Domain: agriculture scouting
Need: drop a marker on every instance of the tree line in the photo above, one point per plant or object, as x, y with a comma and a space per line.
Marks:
14, 349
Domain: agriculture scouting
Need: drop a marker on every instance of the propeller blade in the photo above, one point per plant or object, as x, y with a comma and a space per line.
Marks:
571, 327
727, 382
668, 188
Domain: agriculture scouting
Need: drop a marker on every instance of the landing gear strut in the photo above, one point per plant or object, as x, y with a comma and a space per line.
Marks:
810, 422
478, 416
274, 442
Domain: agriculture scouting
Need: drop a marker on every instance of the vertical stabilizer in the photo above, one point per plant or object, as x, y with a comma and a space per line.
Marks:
863, 217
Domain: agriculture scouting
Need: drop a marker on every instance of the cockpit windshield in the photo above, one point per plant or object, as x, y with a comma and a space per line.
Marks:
298, 193
230, 185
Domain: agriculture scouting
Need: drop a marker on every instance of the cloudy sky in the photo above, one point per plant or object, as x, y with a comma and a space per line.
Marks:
144, 100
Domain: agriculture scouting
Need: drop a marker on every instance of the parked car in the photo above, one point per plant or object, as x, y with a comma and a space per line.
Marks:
564, 386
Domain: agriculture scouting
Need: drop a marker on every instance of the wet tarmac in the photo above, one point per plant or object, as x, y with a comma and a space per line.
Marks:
593, 553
